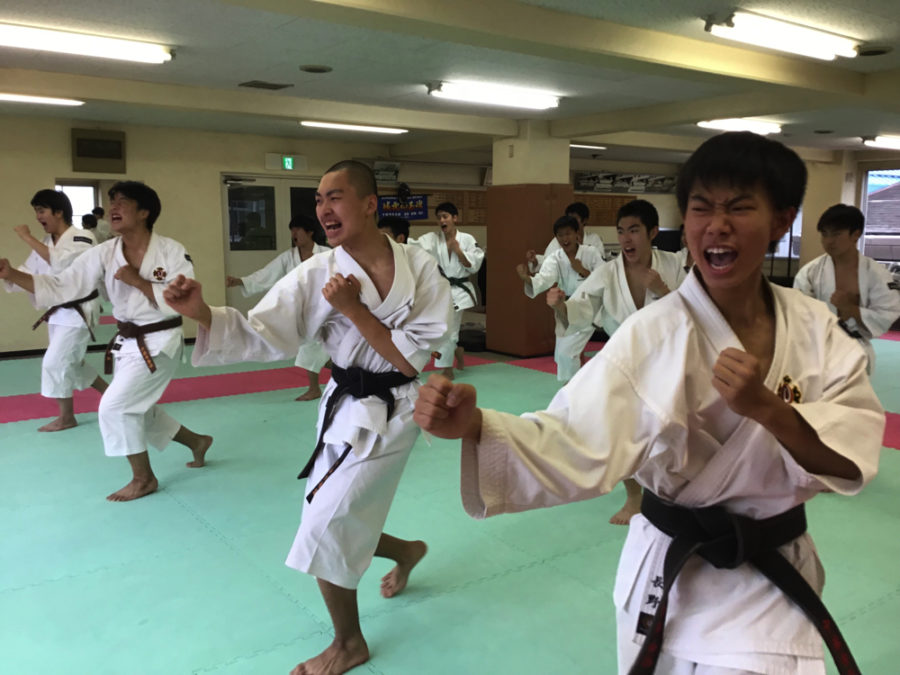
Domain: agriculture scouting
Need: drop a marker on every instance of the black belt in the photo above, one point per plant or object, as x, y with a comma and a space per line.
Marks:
358, 383
72, 304
459, 282
728, 540
126, 329
849, 331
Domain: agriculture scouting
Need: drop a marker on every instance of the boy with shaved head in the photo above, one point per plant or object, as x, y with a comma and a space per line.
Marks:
378, 308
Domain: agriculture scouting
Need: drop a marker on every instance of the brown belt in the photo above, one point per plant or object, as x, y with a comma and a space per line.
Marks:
133, 330
72, 304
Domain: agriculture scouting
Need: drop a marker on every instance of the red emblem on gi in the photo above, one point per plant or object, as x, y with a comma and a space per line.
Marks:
159, 274
789, 392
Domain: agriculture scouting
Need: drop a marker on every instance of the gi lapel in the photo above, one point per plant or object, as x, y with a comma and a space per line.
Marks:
624, 290
702, 489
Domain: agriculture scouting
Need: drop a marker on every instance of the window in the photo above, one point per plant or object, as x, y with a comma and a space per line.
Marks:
881, 205
83, 198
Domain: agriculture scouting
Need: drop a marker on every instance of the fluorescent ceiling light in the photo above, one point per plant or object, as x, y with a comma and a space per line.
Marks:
587, 147
739, 124
884, 142
783, 36
43, 39
495, 94
352, 127
21, 98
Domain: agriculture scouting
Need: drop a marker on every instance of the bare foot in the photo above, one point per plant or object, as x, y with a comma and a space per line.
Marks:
458, 353
336, 659
59, 424
394, 581
309, 395
134, 490
199, 452
448, 373
623, 516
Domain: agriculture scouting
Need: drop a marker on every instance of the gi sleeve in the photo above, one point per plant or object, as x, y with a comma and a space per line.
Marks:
588, 439
802, 281
585, 303
848, 417
426, 326
263, 279
79, 279
272, 331
883, 306
473, 253
546, 276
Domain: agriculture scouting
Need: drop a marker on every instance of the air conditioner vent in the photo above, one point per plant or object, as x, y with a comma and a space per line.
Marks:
260, 84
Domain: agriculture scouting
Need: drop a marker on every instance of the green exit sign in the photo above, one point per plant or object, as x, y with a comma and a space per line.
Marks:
287, 162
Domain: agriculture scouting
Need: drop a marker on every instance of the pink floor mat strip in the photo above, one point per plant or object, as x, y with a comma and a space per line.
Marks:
892, 431
35, 406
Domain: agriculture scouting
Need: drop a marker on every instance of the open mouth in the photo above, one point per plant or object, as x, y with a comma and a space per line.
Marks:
720, 258
331, 229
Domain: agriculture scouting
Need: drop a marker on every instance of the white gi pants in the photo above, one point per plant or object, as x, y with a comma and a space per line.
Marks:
448, 348
567, 353
129, 417
63, 369
715, 664
340, 528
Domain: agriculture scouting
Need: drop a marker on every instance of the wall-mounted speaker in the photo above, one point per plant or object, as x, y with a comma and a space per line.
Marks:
98, 151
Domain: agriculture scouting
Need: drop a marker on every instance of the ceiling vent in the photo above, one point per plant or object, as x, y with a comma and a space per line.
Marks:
260, 84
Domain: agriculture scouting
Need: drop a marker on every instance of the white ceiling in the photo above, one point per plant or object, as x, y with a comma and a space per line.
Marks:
633, 75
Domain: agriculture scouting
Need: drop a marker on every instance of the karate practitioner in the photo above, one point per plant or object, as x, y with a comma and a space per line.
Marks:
458, 257
69, 325
730, 393
581, 213
859, 290
135, 266
103, 230
396, 228
565, 268
379, 308
311, 357
616, 290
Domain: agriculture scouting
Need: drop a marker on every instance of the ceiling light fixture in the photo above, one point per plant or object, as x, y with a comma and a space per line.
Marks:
764, 31
495, 94
741, 124
43, 100
883, 142
83, 44
353, 127
587, 147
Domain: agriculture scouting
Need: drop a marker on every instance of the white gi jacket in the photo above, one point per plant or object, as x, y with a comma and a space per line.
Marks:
879, 296
416, 310
644, 407
556, 269
590, 239
436, 244
263, 279
71, 244
604, 299
164, 260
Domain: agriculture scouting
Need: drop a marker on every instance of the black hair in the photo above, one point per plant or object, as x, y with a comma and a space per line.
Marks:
360, 175
842, 217
642, 210
565, 222
743, 160
144, 195
579, 209
54, 200
310, 225
397, 226
89, 221
447, 207
98, 211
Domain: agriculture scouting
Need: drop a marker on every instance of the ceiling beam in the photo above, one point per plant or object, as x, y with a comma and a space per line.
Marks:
86, 87
513, 26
